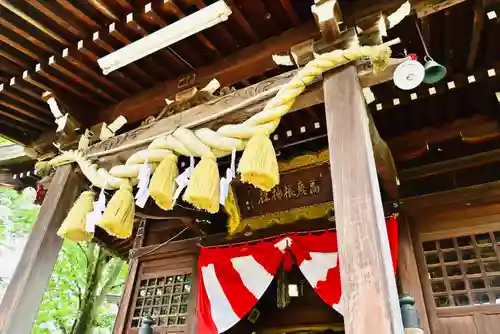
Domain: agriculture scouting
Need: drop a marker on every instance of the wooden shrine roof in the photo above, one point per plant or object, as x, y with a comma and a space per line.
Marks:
54, 46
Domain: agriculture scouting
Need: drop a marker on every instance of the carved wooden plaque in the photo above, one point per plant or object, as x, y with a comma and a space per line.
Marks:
298, 188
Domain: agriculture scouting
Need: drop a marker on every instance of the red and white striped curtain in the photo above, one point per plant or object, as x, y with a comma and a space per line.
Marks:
232, 279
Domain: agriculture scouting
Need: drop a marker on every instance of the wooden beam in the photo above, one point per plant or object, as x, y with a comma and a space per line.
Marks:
428, 7
25, 292
22, 86
243, 22
33, 22
35, 104
13, 115
67, 5
23, 109
76, 59
457, 198
234, 68
477, 28
407, 269
105, 10
74, 77
412, 143
11, 26
235, 107
384, 162
64, 22
451, 165
369, 289
178, 64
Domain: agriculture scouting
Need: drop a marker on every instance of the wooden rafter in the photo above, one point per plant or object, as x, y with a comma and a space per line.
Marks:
18, 96
85, 48
477, 28
11, 26
63, 21
290, 11
67, 5
242, 21
170, 6
78, 61
238, 66
220, 30
43, 72
13, 115
125, 4
21, 45
23, 109
78, 79
12, 58
33, 22
21, 85
104, 9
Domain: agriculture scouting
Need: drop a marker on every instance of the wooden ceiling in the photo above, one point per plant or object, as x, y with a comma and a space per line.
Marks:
54, 46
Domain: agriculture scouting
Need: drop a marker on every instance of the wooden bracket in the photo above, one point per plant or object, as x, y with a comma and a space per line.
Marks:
66, 124
103, 131
328, 17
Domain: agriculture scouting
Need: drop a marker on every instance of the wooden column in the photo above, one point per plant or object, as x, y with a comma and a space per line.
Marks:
122, 317
25, 292
368, 283
408, 272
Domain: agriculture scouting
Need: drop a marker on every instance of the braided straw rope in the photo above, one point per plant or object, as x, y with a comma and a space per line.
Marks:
208, 143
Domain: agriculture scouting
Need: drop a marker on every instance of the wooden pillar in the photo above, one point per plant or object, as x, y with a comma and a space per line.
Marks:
408, 272
122, 317
368, 283
25, 292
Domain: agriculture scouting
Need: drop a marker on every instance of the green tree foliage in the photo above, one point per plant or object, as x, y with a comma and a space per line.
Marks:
75, 301
84, 275
17, 215
4, 141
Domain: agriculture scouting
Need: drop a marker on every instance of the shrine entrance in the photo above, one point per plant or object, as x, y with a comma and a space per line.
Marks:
290, 306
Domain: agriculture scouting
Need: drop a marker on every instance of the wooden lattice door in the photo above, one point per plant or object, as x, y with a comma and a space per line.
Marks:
463, 272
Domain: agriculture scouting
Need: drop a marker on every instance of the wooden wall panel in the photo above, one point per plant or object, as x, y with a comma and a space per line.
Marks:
468, 220
462, 325
487, 323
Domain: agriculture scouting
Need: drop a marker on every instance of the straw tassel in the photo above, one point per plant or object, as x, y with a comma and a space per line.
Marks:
73, 227
203, 190
162, 185
118, 217
258, 164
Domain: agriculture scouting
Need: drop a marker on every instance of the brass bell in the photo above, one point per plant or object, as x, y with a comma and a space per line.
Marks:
434, 71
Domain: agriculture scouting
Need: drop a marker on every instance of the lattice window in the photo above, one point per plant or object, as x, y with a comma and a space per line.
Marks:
165, 299
465, 270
